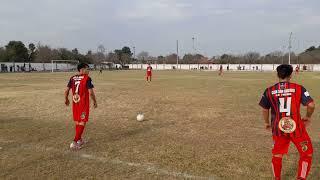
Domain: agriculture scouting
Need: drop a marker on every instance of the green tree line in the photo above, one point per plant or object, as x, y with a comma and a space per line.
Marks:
17, 51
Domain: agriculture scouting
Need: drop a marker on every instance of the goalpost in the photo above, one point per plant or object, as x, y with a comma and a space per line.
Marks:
68, 64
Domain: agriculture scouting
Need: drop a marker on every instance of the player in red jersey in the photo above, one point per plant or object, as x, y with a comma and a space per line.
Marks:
149, 72
82, 87
284, 99
220, 70
297, 70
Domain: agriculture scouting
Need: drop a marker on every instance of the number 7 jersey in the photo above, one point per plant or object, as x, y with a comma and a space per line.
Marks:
285, 99
80, 85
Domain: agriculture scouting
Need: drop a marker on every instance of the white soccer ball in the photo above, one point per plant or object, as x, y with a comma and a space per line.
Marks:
140, 117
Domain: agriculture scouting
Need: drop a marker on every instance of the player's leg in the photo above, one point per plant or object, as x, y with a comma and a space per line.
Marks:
150, 77
280, 147
277, 166
75, 139
74, 144
79, 130
304, 146
76, 118
84, 117
80, 117
81, 127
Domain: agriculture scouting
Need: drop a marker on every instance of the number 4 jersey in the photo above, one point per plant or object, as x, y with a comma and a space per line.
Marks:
80, 85
284, 99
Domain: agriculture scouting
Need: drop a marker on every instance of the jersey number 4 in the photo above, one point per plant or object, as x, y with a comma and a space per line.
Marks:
285, 106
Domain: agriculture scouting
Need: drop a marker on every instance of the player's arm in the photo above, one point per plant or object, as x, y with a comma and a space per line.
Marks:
310, 109
265, 104
93, 97
66, 93
307, 101
91, 93
66, 96
265, 114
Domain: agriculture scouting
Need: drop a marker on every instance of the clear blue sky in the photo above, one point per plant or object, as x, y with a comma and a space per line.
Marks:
219, 26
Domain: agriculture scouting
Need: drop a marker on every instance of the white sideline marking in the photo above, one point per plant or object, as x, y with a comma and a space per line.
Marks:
148, 167
86, 156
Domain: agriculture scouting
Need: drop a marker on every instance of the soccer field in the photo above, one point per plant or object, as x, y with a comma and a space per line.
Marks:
198, 126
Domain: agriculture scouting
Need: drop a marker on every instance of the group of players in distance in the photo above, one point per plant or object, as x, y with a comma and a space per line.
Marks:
283, 99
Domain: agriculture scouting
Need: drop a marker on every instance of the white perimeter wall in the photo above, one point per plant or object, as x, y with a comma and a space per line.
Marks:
39, 66
215, 67
212, 67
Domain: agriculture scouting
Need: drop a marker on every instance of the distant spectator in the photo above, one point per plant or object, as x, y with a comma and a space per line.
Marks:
220, 70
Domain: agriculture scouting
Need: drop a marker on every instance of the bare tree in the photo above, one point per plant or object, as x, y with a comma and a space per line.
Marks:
143, 56
44, 54
101, 49
251, 57
161, 59
112, 57
171, 59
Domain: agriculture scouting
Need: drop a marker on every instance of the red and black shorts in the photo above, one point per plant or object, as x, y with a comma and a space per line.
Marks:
302, 143
81, 114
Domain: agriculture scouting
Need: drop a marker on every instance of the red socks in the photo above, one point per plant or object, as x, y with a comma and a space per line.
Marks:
276, 167
304, 167
79, 131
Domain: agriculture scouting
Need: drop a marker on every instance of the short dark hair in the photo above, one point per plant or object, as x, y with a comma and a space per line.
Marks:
284, 71
82, 65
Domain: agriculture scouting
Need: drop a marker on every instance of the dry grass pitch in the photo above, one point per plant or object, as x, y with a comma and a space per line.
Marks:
198, 126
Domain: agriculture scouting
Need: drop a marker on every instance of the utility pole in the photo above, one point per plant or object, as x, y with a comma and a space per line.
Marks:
134, 55
134, 52
177, 53
290, 48
298, 53
193, 49
283, 49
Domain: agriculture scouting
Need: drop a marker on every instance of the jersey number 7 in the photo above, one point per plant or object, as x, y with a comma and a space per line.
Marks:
77, 83
76, 97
